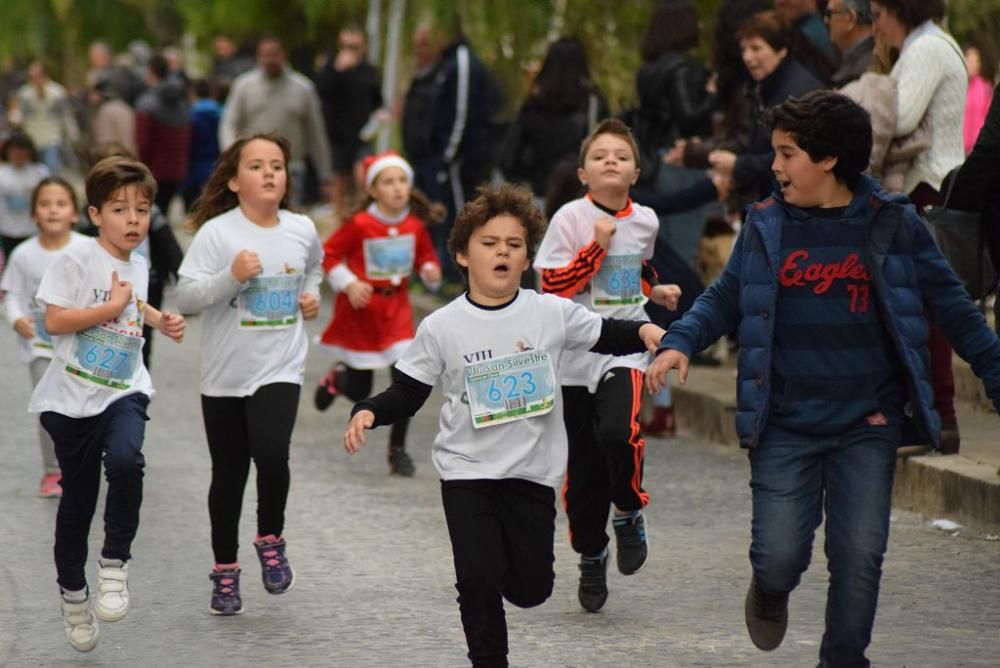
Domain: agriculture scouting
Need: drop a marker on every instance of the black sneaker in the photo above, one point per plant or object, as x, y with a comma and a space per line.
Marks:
630, 536
766, 616
400, 463
326, 391
593, 591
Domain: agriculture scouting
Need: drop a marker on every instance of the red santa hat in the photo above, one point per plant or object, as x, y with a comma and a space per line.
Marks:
374, 164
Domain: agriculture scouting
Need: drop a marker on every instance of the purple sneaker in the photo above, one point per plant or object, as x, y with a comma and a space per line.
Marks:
275, 569
226, 599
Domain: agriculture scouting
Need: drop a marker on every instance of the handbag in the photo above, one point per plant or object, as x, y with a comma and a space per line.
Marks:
961, 236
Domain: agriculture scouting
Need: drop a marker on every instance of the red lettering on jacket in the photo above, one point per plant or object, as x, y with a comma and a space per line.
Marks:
797, 271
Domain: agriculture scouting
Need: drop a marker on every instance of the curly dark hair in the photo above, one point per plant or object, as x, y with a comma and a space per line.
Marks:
217, 198
912, 13
827, 125
490, 202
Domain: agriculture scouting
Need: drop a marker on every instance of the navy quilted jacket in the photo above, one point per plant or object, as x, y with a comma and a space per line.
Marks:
909, 276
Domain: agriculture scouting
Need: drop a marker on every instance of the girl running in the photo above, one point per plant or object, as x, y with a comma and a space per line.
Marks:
55, 210
368, 262
254, 269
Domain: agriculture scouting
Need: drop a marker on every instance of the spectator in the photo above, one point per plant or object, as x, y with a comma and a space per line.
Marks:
808, 36
20, 172
126, 84
163, 130
977, 100
417, 107
561, 109
674, 103
228, 62
931, 84
47, 117
778, 75
350, 92
112, 121
206, 112
274, 98
466, 101
850, 24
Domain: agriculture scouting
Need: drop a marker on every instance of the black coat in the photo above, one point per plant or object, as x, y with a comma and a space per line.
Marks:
977, 180
752, 173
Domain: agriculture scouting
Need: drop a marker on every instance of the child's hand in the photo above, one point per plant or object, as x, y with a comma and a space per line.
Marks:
354, 435
666, 295
651, 335
656, 374
121, 293
359, 293
172, 325
245, 266
604, 229
309, 305
25, 327
430, 274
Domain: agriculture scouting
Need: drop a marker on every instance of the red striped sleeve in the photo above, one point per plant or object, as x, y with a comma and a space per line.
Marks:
567, 281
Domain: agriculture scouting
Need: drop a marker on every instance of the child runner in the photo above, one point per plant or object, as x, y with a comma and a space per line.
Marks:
501, 445
20, 172
595, 253
254, 269
828, 284
94, 395
53, 205
368, 262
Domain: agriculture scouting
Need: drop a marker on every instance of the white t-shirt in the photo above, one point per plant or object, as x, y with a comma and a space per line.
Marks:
25, 268
572, 228
461, 334
16, 185
93, 367
252, 333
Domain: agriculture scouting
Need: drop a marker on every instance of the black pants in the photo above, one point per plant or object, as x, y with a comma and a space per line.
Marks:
165, 191
115, 435
258, 427
605, 456
501, 537
356, 384
154, 297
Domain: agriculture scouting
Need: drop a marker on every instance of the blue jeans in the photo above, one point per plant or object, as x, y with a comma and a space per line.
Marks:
795, 480
115, 436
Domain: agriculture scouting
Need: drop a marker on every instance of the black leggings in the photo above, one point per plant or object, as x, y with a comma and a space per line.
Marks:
356, 384
258, 427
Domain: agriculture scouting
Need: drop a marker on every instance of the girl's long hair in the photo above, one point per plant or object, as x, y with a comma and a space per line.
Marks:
217, 198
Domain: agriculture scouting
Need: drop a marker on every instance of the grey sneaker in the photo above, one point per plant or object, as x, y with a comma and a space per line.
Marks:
226, 598
275, 570
593, 589
80, 624
766, 617
632, 547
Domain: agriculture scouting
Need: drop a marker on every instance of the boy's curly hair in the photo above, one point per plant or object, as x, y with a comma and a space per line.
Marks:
827, 125
490, 202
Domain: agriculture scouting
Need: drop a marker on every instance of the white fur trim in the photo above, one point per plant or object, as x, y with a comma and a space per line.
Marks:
384, 162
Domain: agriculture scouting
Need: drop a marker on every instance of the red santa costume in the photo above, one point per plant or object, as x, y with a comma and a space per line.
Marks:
384, 252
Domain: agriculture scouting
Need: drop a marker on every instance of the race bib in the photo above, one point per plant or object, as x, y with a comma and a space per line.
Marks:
17, 202
510, 388
270, 302
105, 358
42, 340
390, 258
618, 282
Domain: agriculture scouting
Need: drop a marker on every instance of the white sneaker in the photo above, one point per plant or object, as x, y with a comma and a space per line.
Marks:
112, 590
80, 624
